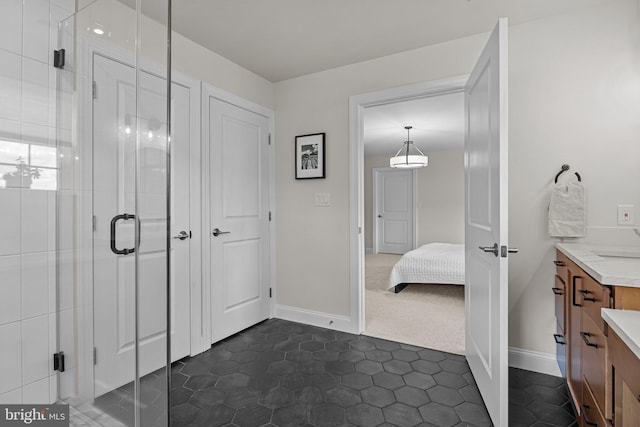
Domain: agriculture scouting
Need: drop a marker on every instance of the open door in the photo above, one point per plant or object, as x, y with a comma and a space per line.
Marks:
486, 224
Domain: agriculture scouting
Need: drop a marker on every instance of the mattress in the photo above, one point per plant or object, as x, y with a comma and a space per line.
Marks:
441, 263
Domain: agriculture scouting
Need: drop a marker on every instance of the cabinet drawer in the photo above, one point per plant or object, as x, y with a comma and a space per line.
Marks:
560, 290
589, 413
594, 353
592, 296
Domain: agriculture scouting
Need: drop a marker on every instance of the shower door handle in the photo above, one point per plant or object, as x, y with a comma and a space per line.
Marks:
114, 221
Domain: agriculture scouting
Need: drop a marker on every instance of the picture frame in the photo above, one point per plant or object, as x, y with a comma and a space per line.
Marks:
310, 156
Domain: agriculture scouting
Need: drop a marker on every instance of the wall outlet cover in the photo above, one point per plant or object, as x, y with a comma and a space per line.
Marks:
626, 215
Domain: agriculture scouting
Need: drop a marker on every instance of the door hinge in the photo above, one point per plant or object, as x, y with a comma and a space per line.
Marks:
270, 293
269, 139
269, 215
58, 58
95, 356
359, 230
95, 223
58, 361
94, 90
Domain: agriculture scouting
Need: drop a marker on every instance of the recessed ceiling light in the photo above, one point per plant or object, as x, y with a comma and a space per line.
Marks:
98, 31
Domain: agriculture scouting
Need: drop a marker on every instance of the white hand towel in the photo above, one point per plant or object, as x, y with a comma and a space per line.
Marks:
567, 212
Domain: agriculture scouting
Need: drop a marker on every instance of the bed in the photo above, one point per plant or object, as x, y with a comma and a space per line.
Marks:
440, 263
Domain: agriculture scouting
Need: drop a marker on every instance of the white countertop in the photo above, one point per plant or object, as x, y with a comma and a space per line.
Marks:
626, 324
608, 264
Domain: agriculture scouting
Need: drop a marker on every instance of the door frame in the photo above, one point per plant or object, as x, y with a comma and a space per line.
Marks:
86, 47
413, 208
207, 91
357, 105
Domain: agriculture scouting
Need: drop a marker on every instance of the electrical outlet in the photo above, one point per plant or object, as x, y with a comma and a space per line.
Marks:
626, 215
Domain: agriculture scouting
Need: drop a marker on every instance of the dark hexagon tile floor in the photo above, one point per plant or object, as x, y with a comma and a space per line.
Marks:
280, 373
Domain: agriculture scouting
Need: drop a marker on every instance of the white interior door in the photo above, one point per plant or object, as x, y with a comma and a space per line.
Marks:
114, 169
239, 217
394, 210
486, 224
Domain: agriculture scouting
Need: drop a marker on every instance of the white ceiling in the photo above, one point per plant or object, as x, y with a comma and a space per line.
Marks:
438, 124
282, 39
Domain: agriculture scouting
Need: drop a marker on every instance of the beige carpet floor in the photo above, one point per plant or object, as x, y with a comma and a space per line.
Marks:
430, 316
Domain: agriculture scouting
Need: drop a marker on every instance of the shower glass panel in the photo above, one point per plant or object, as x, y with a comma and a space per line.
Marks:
112, 219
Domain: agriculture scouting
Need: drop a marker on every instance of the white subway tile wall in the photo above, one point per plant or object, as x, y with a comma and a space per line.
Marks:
28, 185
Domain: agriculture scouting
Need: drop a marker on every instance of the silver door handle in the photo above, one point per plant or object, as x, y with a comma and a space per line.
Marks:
182, 235
216, 232
493, 249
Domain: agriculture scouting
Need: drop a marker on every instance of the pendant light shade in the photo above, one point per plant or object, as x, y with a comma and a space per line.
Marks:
409, 156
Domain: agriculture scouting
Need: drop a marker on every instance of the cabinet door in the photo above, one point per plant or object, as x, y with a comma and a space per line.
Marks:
626, 383
560, 291
574, 357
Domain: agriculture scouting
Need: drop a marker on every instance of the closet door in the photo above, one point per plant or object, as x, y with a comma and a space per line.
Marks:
239, 263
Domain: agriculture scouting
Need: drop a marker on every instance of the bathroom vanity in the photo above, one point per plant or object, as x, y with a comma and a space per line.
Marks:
593, 286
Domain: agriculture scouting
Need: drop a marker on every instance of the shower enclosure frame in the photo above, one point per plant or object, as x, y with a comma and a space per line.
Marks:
75, 223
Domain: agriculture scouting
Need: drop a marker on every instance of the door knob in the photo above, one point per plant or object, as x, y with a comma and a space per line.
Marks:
182, 235
379, 216
216, 232
493, 249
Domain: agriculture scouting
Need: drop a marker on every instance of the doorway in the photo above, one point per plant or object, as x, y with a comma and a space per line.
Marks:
424, 208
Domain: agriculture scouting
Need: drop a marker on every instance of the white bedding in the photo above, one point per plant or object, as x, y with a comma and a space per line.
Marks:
441, 263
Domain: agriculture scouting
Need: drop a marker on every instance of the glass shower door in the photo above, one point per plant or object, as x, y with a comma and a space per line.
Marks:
112, 275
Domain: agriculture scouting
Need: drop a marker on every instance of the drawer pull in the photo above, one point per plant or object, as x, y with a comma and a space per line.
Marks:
585, 337
559, 263
586, 418
558, 341
586, 292
574, 299
557, 291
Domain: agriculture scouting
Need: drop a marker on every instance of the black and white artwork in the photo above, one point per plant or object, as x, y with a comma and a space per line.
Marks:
310, 156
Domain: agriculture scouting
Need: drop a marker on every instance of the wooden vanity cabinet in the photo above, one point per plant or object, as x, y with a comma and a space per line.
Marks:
626, 383
603, 380
585, 337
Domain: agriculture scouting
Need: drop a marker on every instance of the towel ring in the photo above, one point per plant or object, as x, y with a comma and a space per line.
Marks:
565, 168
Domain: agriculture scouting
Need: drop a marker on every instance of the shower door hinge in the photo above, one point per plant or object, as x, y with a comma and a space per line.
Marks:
58, 58
94, 89
58, 361
270, 293
269, 139
269, 216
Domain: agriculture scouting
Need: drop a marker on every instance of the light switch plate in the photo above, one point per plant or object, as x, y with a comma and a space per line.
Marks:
322, 199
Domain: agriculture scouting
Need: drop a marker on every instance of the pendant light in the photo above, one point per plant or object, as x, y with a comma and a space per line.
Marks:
406, 159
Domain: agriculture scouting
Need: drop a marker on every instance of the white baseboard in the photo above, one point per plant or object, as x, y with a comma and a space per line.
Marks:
315, 318
544, 363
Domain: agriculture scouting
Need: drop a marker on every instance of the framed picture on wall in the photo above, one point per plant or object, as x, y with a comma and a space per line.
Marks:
310, 156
